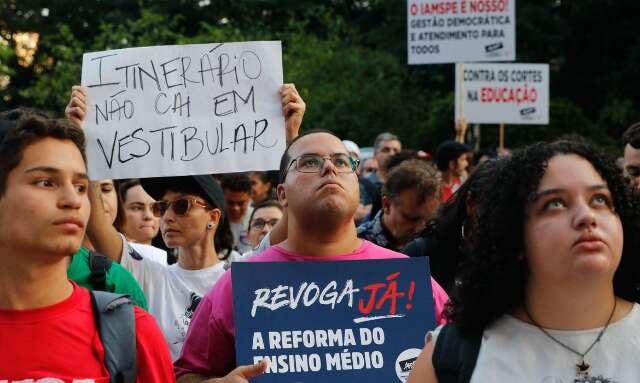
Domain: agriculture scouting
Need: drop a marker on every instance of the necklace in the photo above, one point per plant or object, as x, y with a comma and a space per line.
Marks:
583, 369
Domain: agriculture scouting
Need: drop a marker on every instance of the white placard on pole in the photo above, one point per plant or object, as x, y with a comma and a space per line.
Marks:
503, 93
460, 30
184, 109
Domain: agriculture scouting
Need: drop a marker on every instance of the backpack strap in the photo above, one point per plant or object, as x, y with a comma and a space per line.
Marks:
115, 320
99, 265
455, 354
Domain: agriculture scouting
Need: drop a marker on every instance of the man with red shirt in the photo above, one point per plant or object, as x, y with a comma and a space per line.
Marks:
451, 159
48, 330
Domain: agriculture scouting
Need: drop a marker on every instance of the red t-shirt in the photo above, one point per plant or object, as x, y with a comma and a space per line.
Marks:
446, 191
61, 342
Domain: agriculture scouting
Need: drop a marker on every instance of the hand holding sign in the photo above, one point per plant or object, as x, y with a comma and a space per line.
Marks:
185, 109
293, 108
461, 129
76, 109
242, 374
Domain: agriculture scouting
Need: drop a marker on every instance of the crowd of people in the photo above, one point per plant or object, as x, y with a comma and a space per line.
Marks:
531, 254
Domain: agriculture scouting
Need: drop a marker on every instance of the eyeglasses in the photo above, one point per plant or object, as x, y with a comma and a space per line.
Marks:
312, 163
260, 223
180, 206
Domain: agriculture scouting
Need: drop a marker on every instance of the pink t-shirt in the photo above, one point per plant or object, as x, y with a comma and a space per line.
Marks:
209, 348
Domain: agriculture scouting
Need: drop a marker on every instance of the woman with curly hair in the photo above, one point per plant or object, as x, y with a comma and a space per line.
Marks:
445, 237
547, 292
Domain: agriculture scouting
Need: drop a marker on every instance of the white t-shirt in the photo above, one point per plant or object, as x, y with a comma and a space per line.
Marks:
240, 233
515, 351
172, 292
151, 252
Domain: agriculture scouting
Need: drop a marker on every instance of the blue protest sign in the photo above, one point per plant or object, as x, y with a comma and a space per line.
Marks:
332, 321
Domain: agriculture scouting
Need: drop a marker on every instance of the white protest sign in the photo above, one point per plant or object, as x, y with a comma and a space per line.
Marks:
503, 93
461, 30
184, 109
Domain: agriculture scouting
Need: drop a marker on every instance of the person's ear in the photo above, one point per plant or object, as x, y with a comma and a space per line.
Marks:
282, 195
386, 204
215, 216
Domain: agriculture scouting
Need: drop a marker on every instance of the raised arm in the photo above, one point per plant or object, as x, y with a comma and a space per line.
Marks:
76, 109
104, 237
293, 108
461, 130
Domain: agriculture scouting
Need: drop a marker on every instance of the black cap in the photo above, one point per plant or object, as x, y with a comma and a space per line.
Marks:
203, 185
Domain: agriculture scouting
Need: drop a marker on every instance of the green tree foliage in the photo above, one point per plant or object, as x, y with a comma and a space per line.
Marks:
348, 59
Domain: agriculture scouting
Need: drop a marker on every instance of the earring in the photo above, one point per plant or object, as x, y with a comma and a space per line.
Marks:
463, 231
209, 226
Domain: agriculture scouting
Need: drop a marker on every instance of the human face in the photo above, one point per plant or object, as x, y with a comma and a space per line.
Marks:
109, 199
236, 204
45, 207
370, 166
327, 193
632, 165
259, 189
386, 150
461, 165
571, 231
190, 229
405, 215
265, 214
140, 225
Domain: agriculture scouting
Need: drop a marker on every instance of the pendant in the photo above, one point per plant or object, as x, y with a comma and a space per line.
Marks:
583, 369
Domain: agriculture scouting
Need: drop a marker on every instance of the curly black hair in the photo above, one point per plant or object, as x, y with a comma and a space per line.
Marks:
493, 277
445, 232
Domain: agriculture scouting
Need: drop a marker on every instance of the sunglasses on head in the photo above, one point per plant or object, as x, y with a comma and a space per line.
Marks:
180, 206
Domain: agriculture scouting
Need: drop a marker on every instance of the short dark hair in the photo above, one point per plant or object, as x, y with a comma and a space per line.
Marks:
22, 127
492, 280
397, 159
285, 159
631, 136
270, 176
449, 151
237, 182
413, 174
264, 204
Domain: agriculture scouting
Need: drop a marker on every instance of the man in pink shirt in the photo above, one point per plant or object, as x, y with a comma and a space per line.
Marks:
321, 194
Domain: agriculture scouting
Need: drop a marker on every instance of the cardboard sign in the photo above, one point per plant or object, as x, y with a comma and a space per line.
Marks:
503, 93
332, 321
461, 30
184, 109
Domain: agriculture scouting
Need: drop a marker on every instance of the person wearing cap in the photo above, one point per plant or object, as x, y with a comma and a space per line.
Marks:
191, 212
48, 330
451, 159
